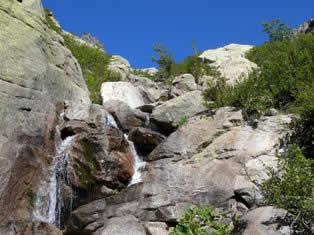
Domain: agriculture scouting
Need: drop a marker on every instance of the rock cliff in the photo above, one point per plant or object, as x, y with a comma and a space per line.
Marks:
133, 164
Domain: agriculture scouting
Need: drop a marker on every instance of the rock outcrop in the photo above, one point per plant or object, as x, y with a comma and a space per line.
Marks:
194, 156
120, 65
39, 79
170, 113
182, 84
307, 27
121, 91
230, 60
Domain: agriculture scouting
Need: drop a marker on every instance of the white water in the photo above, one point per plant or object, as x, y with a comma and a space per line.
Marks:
49, 192
109, 120
138, 163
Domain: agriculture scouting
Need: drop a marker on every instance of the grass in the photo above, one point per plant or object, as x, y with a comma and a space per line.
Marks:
93, 61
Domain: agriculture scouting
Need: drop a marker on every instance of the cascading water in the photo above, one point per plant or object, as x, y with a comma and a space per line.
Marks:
49, 201
138, 163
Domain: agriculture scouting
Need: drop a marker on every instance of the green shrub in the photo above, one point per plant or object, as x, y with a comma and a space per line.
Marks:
202, 221
170, 69
184, 120
93, 61
51, 24
277, 30
291, 188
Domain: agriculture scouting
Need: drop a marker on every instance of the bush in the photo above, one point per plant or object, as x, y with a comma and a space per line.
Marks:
202, 221
170, 69
93, 61
291, 188
277, 30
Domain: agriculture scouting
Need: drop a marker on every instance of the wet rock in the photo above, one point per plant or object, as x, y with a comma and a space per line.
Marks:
264, 220
37, 75
182, 84
86, 215
29, 228
171, 112
145, 140
126, 117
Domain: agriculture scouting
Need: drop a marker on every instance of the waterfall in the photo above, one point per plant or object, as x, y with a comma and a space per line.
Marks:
138, 163
48, 202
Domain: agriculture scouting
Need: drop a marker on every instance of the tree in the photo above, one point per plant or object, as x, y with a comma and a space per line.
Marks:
276, 30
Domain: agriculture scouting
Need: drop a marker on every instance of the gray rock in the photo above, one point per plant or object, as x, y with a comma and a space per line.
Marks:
250, 196
123, 225
121, 91
230, 60
307, 27
156, 228
264, 220
126, 117
120, 65
150, 90
37, 76
182, 84
145, 140
171, 112
198, 133
85, 215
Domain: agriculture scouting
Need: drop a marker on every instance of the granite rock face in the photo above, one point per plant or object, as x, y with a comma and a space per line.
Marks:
38, 76
122, 91
230, 60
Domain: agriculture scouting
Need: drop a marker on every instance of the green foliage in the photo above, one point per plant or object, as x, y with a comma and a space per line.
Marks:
93, 61
165, 61
51, 24
143, 74
202, 221
284, 79
169, 68
292, 189
184, 120
277, 30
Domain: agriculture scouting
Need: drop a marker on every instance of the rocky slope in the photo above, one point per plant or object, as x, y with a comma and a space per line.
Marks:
38, 75
71, 167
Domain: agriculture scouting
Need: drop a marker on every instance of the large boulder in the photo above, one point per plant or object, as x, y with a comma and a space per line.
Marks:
126, 117
183, 172
182, 84
170, 113
230, 60
150, 90
38, 75
31, 228
264, 221
121, 91
123, 225
145, 140
120, 65
199, 131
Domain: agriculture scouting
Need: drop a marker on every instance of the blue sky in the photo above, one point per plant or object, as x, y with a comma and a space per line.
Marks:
131, 28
